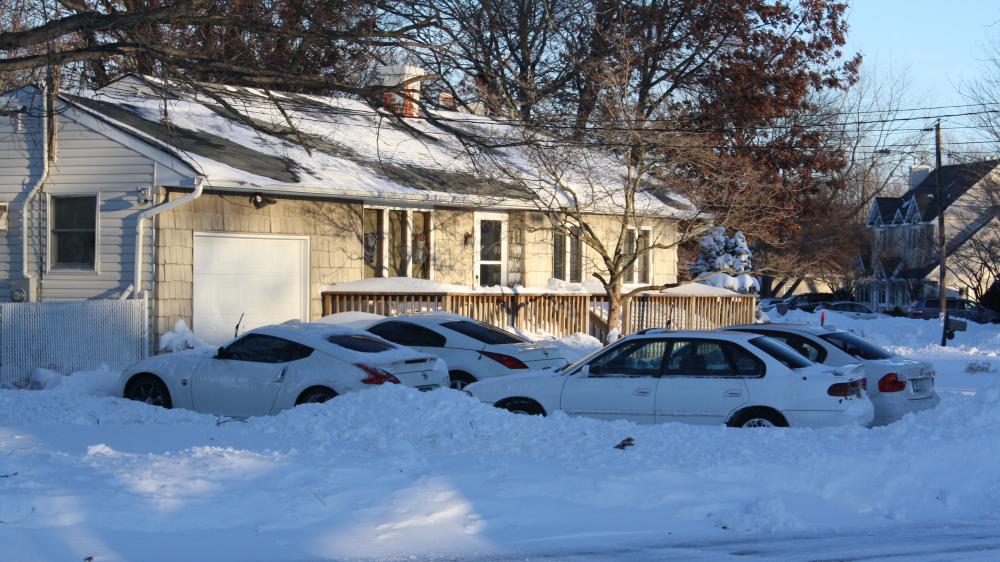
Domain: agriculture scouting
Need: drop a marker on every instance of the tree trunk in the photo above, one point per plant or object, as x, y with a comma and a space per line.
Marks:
614, 293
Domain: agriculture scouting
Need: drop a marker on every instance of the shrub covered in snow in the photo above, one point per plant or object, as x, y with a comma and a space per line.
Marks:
720, 252
181, 338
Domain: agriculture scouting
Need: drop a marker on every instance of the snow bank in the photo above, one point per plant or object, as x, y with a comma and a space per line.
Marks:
181, 338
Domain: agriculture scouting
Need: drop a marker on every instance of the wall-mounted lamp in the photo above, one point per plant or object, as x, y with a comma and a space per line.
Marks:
259, 201
143, 195
467, 240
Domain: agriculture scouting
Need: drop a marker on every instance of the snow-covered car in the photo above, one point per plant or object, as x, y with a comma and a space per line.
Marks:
850, 309
472, 350
732, 378
273, 368
896, 385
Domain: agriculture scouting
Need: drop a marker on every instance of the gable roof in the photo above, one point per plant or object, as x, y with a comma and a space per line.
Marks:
341, 147
956, 179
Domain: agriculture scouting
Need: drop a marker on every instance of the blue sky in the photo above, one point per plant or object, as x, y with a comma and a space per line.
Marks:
939, 42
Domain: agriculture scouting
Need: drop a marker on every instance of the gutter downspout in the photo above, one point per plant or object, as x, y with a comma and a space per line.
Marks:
25, 274
199, 183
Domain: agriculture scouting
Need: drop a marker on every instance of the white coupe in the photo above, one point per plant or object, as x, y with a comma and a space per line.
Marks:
474, 351
741, 380
896, 385
273, 368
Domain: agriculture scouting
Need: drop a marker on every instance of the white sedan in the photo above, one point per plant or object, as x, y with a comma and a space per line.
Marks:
896, 385
741, 380
850, 309
273, 368
473, 350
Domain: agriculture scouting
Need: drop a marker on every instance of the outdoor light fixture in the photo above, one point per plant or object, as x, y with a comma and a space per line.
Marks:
259, 201
467, 240
143, 195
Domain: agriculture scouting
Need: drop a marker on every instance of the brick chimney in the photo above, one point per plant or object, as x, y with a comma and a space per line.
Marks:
404, 101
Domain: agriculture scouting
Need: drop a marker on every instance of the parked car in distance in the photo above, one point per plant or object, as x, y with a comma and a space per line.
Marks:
805, 301
472, 350
732, 378
930, 307
896, 385
274, 368
850, 309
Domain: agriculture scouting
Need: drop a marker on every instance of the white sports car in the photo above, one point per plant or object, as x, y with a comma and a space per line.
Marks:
896, 385
473, 350
741, 380
273, 368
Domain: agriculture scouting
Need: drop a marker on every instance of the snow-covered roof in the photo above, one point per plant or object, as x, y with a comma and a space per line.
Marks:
339, 147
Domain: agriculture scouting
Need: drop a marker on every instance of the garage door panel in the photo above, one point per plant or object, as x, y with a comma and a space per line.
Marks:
260, 277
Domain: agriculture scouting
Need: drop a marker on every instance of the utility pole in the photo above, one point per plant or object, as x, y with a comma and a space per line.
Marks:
942, 255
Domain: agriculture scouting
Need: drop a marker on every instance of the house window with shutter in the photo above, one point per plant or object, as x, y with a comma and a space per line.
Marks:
567, 256
637, 244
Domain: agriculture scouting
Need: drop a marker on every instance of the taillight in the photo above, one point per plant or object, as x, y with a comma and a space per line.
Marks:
376, 375
506, 360
891, 383
845, 389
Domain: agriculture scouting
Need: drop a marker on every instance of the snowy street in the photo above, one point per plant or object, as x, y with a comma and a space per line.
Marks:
393, 473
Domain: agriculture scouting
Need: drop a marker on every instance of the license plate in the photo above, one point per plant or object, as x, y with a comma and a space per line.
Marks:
921, 386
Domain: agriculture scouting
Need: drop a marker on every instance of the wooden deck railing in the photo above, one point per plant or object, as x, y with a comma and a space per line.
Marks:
558, 314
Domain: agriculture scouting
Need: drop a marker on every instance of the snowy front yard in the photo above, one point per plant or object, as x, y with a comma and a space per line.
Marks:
394, 472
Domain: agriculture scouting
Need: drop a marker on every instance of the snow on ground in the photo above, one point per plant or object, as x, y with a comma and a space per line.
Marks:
393, 472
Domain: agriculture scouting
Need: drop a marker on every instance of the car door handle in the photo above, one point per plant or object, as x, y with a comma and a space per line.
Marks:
733, 393
641, 392
281, 377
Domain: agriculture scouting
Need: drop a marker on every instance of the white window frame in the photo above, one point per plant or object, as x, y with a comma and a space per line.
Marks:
567, 266
504, 219
51, 268
635, 269
408, 247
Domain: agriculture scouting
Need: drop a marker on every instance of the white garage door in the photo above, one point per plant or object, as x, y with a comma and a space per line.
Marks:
263, 278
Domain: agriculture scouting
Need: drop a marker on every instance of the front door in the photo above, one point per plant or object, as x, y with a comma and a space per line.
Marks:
620, 384
491, 249
244, 379
704, 381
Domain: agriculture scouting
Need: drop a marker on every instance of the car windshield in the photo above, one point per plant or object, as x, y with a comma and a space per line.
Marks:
360, 343
482, 332
784, 354
855, 346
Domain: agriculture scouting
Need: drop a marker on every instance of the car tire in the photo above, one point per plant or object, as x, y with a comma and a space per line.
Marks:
148, 389
460, 379
758, 417
315, 395
522, 406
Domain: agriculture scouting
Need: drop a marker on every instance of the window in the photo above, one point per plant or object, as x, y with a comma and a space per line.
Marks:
490, 253
397, 243
74, 232
784, 354
637, 242
637, 358
567, 256
405, 333
855, 346
712, 359
259, 348
360, 343
802, 345
482, 332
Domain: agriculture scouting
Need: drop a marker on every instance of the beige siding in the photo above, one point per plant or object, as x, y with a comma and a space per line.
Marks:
453, 260
333, 228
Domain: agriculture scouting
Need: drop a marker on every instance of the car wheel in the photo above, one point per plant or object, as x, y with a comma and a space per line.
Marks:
148, 389
315, 395
460, 379
522, 406
758, 417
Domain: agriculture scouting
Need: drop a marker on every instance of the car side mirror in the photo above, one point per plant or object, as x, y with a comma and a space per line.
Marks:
584, 371
221, 353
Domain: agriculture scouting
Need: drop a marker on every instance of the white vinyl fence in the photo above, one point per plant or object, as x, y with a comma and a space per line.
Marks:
71, 336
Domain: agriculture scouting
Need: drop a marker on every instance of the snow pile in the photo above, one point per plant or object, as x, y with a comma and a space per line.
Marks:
181, 338
99, 382
573, 347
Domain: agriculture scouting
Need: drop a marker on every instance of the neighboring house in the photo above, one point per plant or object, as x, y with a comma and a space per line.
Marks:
903, 265
158, 192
